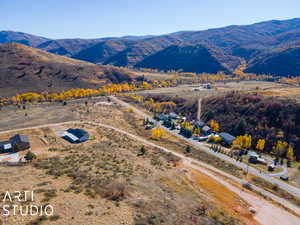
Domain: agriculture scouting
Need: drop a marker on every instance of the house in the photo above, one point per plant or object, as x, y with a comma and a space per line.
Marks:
198, 124
162, 117
173, 116
255, 158
76, 135
206, 130
227, 139
16, 143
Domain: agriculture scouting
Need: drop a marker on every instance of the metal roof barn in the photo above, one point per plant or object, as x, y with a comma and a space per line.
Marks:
76, 135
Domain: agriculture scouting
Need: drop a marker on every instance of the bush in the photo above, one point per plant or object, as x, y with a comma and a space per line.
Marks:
30, 156
115, 191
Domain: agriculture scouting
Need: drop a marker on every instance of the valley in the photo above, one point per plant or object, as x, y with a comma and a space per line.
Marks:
51, 175
186, 128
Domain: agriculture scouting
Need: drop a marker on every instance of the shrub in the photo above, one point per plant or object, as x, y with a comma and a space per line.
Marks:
116, 191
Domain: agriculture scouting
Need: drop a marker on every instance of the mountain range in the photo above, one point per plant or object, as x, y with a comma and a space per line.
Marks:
271, 47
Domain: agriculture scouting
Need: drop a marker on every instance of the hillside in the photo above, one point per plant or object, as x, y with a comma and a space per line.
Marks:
283, 63
24, 69
188, 58
230, 45
268, 118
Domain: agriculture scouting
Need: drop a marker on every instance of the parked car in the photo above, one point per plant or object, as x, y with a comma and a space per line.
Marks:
285, 178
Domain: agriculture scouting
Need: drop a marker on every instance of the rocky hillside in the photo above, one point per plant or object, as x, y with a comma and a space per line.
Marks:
25, 69
256, 44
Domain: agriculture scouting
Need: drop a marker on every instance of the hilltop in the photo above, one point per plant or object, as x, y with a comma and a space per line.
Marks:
256, 44
23, 69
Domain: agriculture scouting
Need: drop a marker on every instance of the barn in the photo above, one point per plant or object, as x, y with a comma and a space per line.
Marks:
74, 136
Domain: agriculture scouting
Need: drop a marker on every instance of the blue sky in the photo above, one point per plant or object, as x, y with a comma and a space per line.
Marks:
106, 18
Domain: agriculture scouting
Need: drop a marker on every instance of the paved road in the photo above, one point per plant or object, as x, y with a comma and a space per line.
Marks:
284, 172
289, 188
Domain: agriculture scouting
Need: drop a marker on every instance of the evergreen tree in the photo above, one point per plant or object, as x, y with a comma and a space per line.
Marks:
188, 149
240, 129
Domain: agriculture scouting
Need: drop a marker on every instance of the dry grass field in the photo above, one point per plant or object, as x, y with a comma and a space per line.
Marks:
220, 88
107, 181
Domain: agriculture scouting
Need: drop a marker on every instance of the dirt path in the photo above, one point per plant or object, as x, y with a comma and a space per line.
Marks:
267, 213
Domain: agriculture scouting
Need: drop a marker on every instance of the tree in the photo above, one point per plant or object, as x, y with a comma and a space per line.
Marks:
30, 156
260, 144
243, 142
214, 139
173, 127
142, 151
186, 132
240, 129
280, 148
290, 153
188, 149
214, 126
157, 133
197, 131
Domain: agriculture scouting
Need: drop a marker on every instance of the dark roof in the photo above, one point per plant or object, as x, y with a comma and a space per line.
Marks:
19, 138
76, 135
4, 143
227, 137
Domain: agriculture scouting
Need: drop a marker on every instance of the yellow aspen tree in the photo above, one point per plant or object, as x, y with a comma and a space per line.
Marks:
290, 153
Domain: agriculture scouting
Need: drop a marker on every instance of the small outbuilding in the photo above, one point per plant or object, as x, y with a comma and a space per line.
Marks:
227, 139
76, 135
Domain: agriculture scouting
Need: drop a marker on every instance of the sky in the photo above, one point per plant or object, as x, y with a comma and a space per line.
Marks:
114, 18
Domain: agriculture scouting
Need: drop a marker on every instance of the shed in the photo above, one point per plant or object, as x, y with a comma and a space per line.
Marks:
227, 138
76, 135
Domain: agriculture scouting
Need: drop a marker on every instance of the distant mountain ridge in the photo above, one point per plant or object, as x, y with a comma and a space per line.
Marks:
229, 46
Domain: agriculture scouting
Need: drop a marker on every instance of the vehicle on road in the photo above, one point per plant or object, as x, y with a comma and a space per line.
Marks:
285, 178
